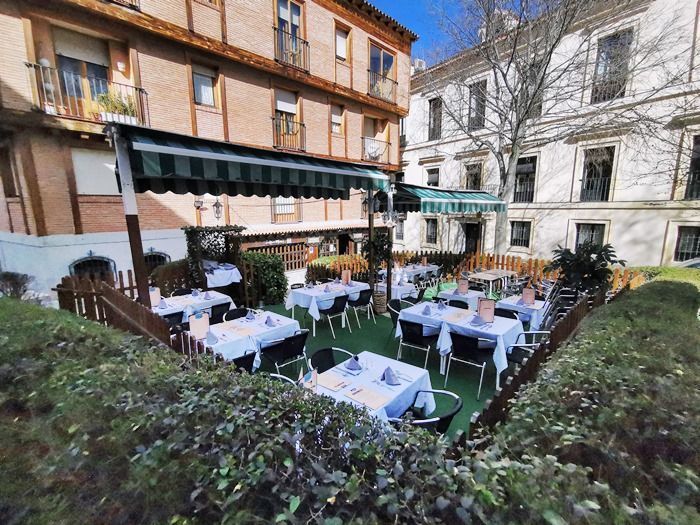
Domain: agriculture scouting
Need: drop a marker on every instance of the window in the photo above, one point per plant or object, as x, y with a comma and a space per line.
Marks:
431, 231
597, 174
289, 131
83, 63
342, 37
402, 132
473, 176
94, 171
520, 233
398, 231
204, 83
687, 243
434, 119
286, 209
155, 259
692, 187
590, 233
434, 177
525, 179
612, 66
94, 267
7, 178
337, 119
477, 106
381, 82
290, 47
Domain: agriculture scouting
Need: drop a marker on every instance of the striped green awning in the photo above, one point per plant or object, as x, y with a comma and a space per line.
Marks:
433, 200
163, 162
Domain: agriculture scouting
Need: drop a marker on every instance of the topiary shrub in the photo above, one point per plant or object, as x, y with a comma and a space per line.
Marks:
171, 276
587, 269
270, 282
15, 285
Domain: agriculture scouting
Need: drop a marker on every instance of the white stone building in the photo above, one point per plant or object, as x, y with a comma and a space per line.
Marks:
639, 192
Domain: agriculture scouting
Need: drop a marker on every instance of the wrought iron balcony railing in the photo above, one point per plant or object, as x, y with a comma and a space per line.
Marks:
595, 189
606, 89
692, 188
381, 86
524, 190
291, 49
375, 150
64, 93
289, 133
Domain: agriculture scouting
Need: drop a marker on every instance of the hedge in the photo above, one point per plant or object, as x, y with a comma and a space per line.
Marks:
99, 427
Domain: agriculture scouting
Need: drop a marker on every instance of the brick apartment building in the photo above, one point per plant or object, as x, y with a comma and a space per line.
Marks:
317, 78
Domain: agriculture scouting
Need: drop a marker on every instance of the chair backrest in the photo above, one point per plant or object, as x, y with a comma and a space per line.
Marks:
173, 319
421, 293
440, 422
326, 358
218, 311
181, 291
236, 313
411, 332
394, 309
245, 362
508, 314
296, 286
339, 304
363, 299
455, 303
463, 345
285, 349
282, 379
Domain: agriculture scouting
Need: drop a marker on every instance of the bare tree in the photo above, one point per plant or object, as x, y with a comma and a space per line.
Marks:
529, 72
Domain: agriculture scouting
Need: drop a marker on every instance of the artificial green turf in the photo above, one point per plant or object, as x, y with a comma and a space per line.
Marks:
379, 338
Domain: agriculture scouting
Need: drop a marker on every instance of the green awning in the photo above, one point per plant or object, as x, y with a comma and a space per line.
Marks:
434, 200
167, 162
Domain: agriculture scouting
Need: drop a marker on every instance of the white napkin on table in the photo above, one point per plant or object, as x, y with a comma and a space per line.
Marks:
207, 295
426, 310
389, 377
250, 316
269, 321
327, 289
211, 338
162, 303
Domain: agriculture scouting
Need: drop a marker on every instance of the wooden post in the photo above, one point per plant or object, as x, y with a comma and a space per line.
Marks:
132, 215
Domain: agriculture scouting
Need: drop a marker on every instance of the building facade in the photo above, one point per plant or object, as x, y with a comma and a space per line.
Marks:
639, 193
316, 78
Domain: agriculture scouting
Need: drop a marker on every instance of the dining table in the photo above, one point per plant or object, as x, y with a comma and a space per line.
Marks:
532, 313
471, 297
189, 303
409, 271
220, 274
398, 290
366, 388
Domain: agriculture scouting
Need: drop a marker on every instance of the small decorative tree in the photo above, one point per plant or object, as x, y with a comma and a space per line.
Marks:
588, 268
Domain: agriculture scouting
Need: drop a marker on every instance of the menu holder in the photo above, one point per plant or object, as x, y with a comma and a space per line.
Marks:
486, 309
154, 295
424, 261
368, 397
199, 325
311, 380
529, 296
463, 286
332, 381
346, 276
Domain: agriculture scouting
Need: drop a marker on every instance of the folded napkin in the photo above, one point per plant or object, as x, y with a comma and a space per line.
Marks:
327, 289
195, 292
269, 321
477, 320
337, 280
250, 316
211, 338
227, 266
162, 303
456, 292
350, 283
426, 310
309, 285
389, 376
353, 364
207, 295
441, 305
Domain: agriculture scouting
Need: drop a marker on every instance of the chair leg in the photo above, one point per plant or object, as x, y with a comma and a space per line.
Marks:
447, 372
427, 354
314, 327
357, 318
347, 320
398, 354
330, 323
278, 368
370, 309
481, 380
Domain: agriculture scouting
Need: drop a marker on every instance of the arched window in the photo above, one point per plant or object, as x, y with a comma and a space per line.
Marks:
155, 259
93, 267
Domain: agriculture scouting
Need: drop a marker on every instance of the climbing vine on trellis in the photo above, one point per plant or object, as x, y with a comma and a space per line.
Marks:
218, 243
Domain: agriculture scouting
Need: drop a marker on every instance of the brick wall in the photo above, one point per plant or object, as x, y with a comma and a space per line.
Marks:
15, 90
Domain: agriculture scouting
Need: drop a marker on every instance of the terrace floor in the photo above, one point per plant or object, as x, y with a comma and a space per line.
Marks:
379, 338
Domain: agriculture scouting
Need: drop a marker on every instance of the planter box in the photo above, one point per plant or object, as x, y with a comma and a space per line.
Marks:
379, 299
118, 117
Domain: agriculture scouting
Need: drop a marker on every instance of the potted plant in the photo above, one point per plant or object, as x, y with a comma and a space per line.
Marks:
382, 254
587, 269
114, 108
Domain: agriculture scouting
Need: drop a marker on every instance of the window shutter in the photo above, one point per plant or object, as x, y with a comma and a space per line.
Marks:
336, 115
286, 101
80, 47
341, 44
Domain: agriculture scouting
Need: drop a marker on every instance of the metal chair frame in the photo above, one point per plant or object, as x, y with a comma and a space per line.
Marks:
343, 315
417, 346
465, 361
329, 349
267, 344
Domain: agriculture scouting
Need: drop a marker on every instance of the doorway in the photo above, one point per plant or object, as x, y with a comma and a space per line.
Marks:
472, 236
345, 244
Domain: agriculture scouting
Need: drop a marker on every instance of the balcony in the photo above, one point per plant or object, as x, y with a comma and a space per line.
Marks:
692, 188
524, 189
605, 90
291, 50
285, 210
374, 150
288, 133
381, 86
67, 94
488, 188
595, 189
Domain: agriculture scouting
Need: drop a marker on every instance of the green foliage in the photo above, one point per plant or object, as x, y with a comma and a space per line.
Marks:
382, 247
588, 268
115, 103
14, 284
217, 243
270, 280
171, 276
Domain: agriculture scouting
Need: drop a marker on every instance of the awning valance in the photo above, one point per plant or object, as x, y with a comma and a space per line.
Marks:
162, 162
434, 200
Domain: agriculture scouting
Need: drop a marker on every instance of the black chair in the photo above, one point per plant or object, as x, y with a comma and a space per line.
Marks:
337, 309
296, 286
466, 350
326, 358
435, 422
412, 336
218, 311
456, 303
236, 313
394, 309
518, 352
286, 351
173, 320
245, 362
416, 300
508, 314
181, 291
363, 302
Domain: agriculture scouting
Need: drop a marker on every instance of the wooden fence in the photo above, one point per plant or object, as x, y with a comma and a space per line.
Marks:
496, 409
293, 255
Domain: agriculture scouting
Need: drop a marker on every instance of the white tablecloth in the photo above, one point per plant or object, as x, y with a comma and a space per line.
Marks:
218, 276
240, 336
410, 271
532, 313
187, 304
471, 297
316, 297
399, 398
503, 331
399, 291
